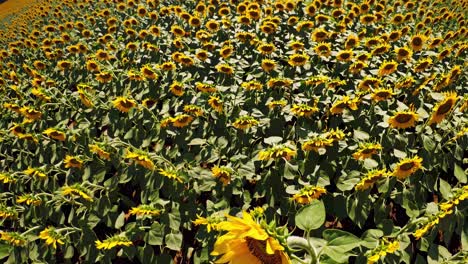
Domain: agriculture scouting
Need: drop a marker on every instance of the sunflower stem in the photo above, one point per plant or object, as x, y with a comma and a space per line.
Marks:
302, 243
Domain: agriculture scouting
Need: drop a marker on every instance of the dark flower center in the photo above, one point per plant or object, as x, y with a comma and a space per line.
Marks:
445, 107
403, 118
407, 166
257, 249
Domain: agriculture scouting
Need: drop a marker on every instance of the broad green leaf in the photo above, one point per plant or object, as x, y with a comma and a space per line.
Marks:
311, 216
460, 174
174, 241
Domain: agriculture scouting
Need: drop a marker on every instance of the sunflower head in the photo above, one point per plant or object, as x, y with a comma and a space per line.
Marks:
407, 166
442, 108
403, 119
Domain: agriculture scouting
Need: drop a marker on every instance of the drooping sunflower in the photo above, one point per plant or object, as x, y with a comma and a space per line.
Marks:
316, 143
403, 119
73, 162
245, 122
182, 120
382, 94
370, 179
140, 158
247, 242
222, 173
13, 238
94, 148
387, 67
406, 167
124, 104
423, 64
216, 103
441, 109
144, 210
298, 59
51, 237
115, 241
55, 134
303, 110
307, 194
225, 68
366, 150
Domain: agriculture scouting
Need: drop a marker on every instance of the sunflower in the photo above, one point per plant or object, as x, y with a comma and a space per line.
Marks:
307, 194
422, 64
406, 167
366, 150
182, 120
92, 66
316, 143
345, 102
55, 134
144, 210
303, 110
344, 55
404, 53
177, 31
222, 173
64, 65
380, 49
226, 51
368, 19
298, 59
319, 35
268, 65
247, 242
252, 85
104, 77
51, 237
370, 179
13, 238
387, 67
225, 68
279, 82
73, 162
245, 122
115, 241
276, 104
102, 55
35, 172
76, 190
177, 88
212, 25
266, 48
296, 45
170, 174
443, 108
216, 103
276, 152
417, 42
403, 119
369, 82
382, 94
124, 104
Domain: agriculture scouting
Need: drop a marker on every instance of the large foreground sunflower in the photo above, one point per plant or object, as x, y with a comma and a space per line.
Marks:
247, 242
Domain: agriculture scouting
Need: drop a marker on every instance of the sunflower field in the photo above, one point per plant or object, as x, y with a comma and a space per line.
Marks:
255, 131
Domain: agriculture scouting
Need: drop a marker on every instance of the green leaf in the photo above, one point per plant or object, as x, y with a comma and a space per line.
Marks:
156, 234
311, 216
370, 238
428, 143
360, 135
460, 174
120, 221
5, 250
174, 241
272, 140
197, 141
338, 243
445, 189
